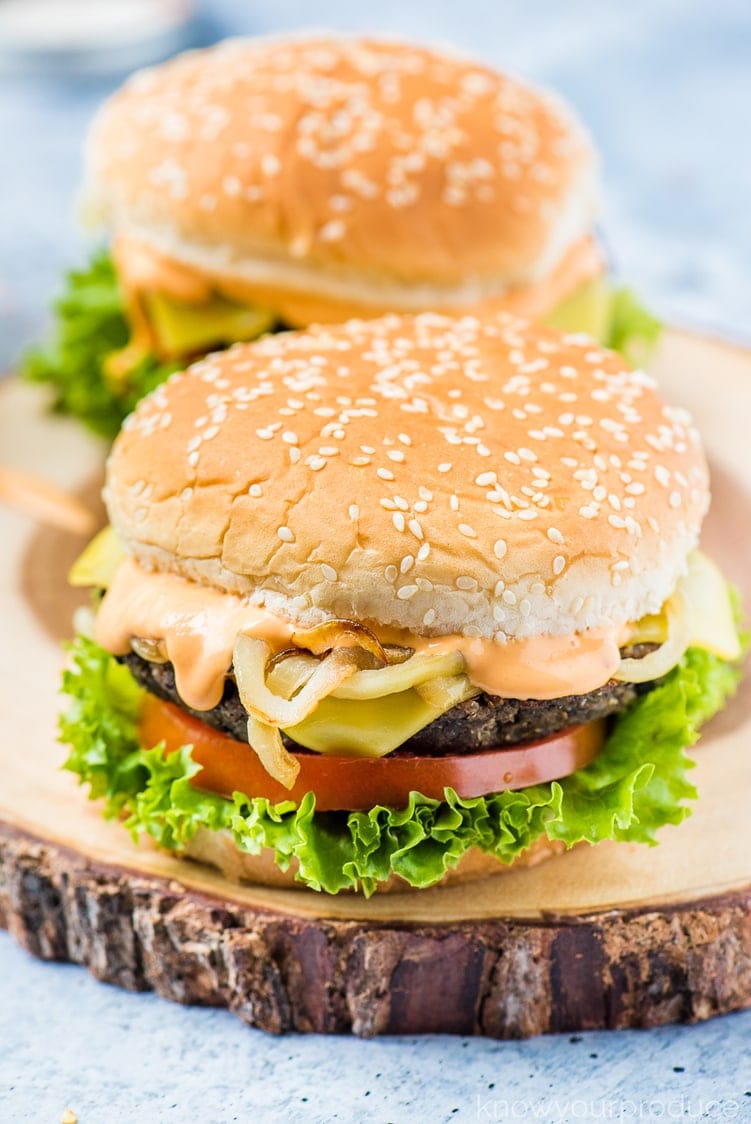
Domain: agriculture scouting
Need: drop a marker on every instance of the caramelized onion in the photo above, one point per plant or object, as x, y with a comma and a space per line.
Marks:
153, 651
250, 659
397, 653
340, 634
279, 763
664, 658
446, 691
399, 677
289, 671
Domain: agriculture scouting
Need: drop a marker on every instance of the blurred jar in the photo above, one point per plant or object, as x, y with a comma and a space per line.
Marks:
90, 37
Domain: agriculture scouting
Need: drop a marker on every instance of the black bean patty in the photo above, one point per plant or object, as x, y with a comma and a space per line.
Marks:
483, 722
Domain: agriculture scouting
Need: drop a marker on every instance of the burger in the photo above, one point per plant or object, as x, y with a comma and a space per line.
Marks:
270, 183
397, 601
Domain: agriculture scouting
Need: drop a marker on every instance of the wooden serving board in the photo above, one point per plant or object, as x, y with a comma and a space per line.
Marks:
613, 936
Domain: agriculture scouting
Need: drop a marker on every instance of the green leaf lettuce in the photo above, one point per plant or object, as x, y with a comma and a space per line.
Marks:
633, 331
90, 324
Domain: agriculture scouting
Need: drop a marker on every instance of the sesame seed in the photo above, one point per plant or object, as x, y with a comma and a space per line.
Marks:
354, 512
500, 548
398, 520
406, 563
290, 438
559, 564
391, 573
332, 231
406, 592
445, 467
385, 474
423, 552
466, 583
555, 535
467, 531
285, 534
255, 490
415, 528
270, 165
429, 617
328, 572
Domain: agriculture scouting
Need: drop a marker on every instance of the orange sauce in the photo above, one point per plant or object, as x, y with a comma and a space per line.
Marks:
142, 269
199, 625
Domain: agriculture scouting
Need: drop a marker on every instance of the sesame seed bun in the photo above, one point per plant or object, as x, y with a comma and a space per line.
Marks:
369, 174
488, 478
218, 849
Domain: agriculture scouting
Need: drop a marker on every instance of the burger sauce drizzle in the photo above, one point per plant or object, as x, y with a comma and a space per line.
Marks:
199, 625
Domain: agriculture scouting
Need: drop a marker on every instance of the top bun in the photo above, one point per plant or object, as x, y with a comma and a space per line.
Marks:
363, 170
442, 475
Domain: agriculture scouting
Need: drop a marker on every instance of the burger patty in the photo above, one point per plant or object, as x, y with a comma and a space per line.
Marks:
483, 722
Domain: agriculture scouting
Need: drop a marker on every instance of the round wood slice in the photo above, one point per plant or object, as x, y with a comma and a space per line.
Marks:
614, 936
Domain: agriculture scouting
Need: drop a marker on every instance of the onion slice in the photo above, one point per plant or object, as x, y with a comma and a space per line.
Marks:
664, 659
289, 671
153, 651
446, 691
340, 633
399, 677
250, 659
279, 763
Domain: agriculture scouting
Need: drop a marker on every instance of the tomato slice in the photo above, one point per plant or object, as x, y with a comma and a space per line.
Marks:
359, 783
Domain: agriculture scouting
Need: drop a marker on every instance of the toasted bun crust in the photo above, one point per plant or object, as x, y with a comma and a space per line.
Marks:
370, 171
218, 849
442, 475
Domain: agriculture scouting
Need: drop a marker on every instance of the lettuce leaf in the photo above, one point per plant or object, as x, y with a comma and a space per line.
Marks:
637, 784
89, 325
633, 330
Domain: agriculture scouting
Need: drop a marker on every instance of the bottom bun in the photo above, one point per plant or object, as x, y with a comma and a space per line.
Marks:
218, 849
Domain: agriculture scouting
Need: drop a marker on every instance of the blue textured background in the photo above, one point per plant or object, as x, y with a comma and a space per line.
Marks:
666, 89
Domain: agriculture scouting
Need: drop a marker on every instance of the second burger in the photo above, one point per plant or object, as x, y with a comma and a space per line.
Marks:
268, 183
